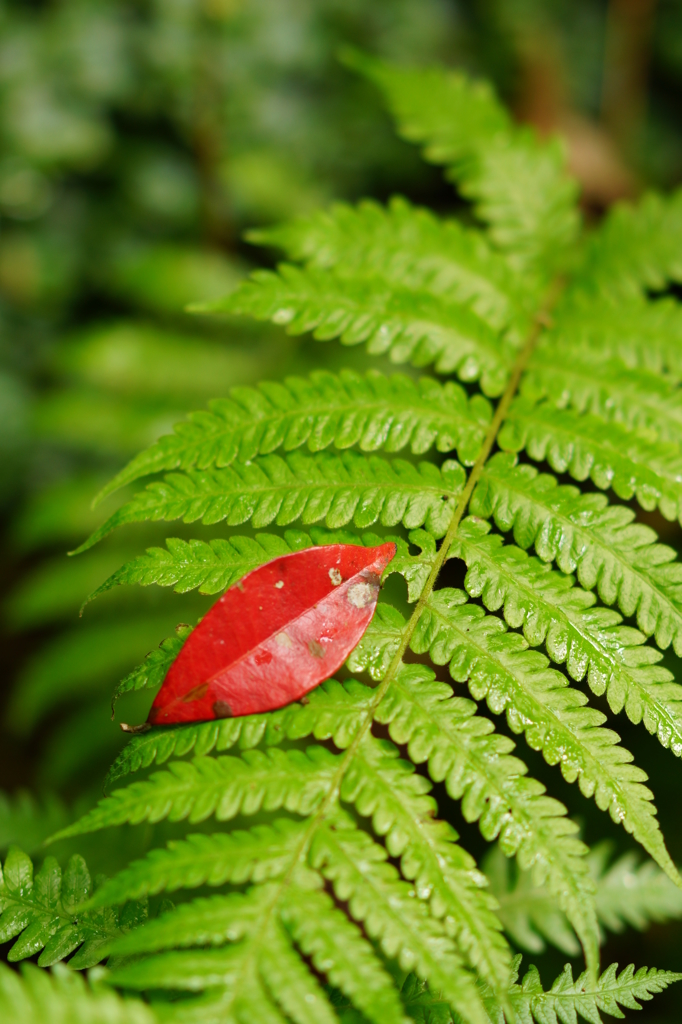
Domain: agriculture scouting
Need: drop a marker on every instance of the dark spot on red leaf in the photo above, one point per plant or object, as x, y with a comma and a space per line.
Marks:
316, 649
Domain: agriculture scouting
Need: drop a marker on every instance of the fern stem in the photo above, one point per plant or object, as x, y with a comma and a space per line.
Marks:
540, 322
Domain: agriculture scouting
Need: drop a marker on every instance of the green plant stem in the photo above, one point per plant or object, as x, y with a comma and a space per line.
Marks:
540, 322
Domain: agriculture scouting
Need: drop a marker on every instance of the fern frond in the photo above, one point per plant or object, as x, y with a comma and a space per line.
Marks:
337, 489
345, 868
208, 567
263, 852
462, 749
212, 567
405, 246
307, 915
369, 410
642, 334
584, 996
407, 325
206, 921
635, 249
606, 452
590, 641
334, 712
36, 997
539, 702
607, 388
223, 787
358, 870
152, 671
528, 910
582, 533
385, 788
631, 893
518, 185
563, 1004
290, 983
381, 787
330, 940
44, 913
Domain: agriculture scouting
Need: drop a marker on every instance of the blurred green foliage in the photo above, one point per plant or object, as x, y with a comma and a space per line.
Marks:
139, 139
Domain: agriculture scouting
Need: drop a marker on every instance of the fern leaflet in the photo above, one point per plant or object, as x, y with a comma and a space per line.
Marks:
34, 997
371, 411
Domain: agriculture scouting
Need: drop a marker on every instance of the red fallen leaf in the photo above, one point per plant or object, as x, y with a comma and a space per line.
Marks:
272, 637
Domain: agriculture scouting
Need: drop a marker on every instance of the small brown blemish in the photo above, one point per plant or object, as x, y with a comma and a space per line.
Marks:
336, 577
221, 709
240, 586
279, 584
196, 693
316, 649
304, 700
144, 727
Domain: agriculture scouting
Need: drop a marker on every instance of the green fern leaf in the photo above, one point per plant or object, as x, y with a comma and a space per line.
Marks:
528, 910
358, 870
629, 893
334, 712
635, 249
207, 921
524, 309
518, 185
609, 454
539, 702
463, 750
209, 567
333, 488
642, 334
404, 246
151, 673
36, 997
307, 915
45, 914
589, 640
583, 996
224, 786
563, 1004
325, 935
261, 853
214, 566
408, 325
586, 535
290, 984
371, 411
385, 788
608, 389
